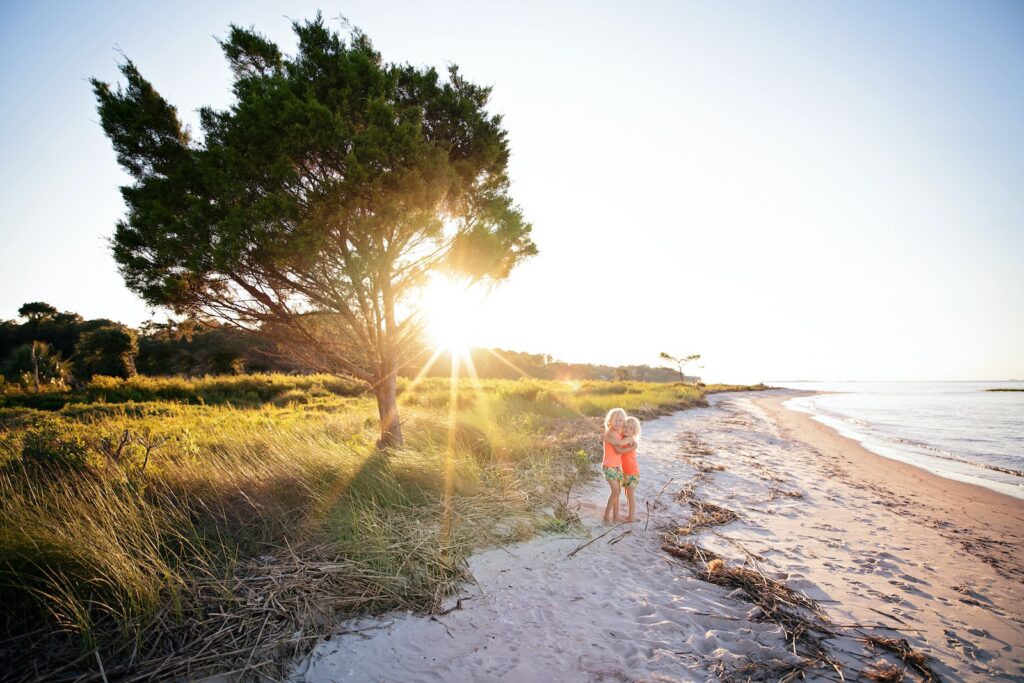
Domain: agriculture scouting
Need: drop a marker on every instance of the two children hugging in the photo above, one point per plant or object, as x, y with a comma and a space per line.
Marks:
621, 471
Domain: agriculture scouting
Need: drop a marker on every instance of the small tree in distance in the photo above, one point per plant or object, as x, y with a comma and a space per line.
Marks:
318, 204
34, 363
36, 310
680, 362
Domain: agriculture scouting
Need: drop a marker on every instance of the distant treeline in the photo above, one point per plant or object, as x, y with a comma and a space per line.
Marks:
502, 364
48, 348
63, 348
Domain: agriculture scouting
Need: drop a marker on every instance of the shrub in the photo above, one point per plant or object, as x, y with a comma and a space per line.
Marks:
55, 443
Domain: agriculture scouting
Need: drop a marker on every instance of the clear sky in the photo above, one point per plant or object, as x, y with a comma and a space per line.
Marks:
792, 189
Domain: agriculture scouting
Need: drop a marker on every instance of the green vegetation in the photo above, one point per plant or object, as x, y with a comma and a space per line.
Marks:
319, 203
146, 514
63, 350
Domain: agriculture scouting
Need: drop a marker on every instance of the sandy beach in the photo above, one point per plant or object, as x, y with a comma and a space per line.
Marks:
882, 549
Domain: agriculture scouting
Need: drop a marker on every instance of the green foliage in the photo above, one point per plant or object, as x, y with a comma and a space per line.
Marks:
20, 367
331, 156
314, 208
239, 391
207, 350
505, 364
108, 350
36, 310
54, 443
720, 388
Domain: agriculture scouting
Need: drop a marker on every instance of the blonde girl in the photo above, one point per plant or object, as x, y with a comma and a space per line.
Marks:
614, 421
630, 468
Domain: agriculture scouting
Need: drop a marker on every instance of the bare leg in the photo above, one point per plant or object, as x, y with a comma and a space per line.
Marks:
611, 510
631, 501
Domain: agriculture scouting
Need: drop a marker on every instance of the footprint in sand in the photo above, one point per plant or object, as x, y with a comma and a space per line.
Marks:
907, 588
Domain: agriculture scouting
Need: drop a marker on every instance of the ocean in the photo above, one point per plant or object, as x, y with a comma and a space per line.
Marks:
953, 429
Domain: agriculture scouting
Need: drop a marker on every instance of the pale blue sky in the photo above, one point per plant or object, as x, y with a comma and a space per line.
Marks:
802, 189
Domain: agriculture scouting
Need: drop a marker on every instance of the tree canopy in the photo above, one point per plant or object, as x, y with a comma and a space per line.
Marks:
315, 207
36, 310
680, 362
109, 350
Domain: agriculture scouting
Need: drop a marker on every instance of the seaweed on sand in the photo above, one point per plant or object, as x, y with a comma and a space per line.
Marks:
706, 515
901, 648
885, 672
800, 617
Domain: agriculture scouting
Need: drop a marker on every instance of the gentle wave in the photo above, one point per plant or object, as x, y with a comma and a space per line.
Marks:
953, 429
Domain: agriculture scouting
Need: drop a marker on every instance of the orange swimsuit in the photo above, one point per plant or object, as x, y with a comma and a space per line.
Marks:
611, 457
629, 464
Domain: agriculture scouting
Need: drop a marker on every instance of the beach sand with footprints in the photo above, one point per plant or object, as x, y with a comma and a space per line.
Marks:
767, 547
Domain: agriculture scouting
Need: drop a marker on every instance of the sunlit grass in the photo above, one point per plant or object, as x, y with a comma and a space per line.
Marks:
111, 551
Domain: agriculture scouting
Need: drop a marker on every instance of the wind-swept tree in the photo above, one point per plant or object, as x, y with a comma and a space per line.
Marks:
316, 205
680, 362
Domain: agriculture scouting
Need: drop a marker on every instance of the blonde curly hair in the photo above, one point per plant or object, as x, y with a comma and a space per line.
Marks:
612, 413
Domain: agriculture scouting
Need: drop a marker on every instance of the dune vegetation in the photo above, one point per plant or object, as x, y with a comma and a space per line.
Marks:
141, 520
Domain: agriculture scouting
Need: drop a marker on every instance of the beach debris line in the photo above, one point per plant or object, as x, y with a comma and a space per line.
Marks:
901, 648
706, 515
801, 618
885, 672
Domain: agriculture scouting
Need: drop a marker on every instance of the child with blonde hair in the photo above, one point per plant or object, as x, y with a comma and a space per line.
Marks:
614, 445
630, 467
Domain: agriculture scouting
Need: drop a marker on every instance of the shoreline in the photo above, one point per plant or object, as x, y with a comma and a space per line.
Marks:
931, 463
930, 496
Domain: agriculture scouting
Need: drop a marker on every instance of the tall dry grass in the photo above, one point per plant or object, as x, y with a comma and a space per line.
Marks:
130, 529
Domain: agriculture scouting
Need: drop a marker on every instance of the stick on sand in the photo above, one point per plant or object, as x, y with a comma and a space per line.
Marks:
581, 547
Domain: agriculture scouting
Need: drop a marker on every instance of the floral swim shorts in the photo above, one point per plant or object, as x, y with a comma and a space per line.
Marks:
612, 473
630, 481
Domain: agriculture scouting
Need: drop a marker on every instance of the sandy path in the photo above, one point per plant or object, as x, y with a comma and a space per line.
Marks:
622, 610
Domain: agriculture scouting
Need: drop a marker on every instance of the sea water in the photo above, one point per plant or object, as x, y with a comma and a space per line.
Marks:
957, 430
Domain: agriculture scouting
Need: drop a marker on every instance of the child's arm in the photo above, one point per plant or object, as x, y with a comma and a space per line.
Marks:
620, 444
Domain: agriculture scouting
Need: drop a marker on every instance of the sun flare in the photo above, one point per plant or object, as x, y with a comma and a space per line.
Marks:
451, 311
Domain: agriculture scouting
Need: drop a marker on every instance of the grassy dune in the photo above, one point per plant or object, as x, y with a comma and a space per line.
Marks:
139, 523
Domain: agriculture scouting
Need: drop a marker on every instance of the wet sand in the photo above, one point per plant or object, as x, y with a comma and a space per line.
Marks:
985, 523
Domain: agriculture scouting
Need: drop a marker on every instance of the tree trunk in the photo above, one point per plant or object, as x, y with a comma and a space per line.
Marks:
387, 407
35, 365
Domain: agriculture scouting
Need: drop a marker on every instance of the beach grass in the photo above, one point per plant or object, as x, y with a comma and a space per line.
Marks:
144, 514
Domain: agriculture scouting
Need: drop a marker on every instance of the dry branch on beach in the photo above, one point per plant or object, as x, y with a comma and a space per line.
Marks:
706, 515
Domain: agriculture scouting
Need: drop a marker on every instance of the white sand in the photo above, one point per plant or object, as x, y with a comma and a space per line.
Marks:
622, 610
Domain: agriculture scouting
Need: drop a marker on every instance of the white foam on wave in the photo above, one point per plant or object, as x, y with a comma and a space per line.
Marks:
911, 451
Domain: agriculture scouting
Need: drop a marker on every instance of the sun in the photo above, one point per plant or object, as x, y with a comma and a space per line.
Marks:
451, 311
